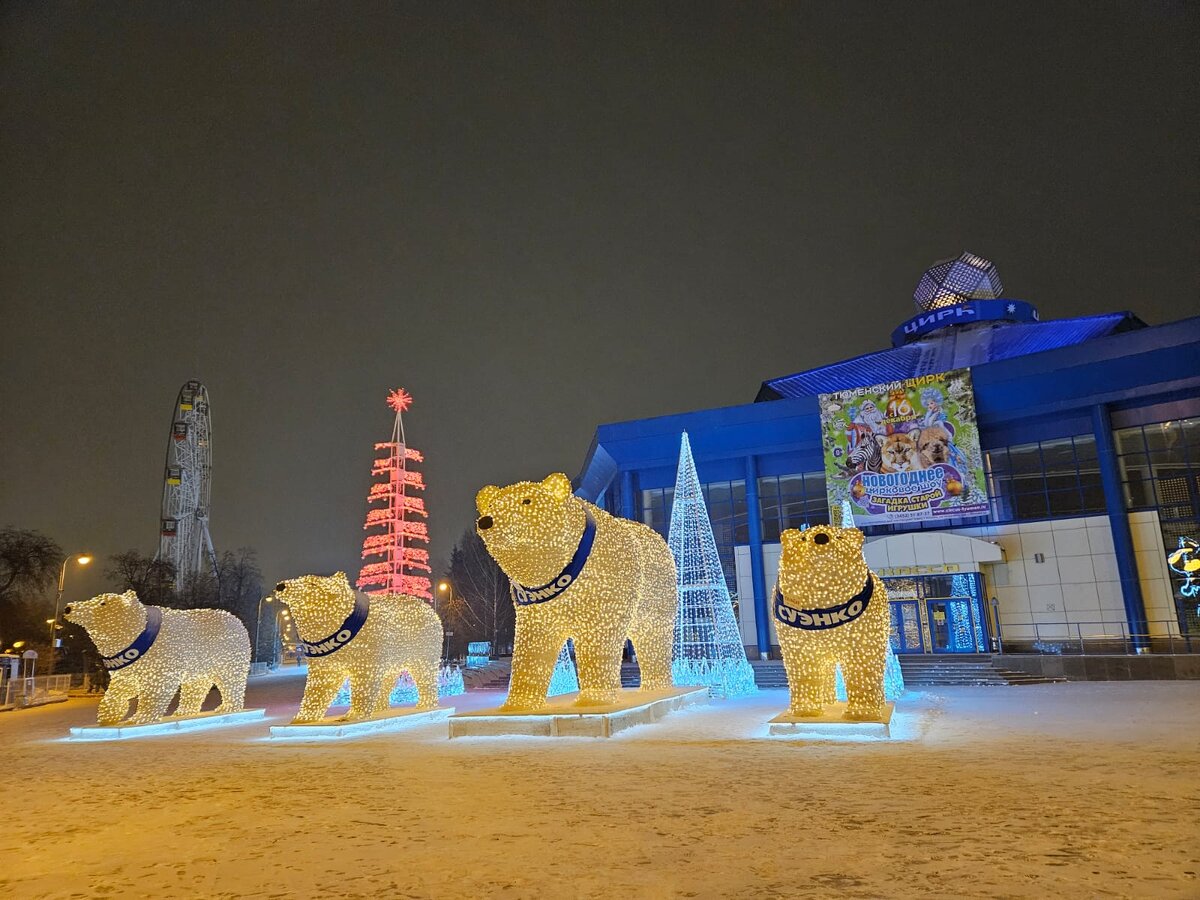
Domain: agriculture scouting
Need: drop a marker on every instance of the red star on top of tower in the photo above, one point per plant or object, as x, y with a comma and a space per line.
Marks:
399, 400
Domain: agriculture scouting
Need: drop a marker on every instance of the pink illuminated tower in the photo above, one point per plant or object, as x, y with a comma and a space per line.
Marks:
395, 515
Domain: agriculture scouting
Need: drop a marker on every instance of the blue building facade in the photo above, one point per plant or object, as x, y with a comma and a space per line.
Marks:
1090, 431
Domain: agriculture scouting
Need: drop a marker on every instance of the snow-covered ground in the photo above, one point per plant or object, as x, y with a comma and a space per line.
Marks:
1073, 790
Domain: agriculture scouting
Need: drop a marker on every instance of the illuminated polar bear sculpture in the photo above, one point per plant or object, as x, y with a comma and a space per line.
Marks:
368, 640
578, 573
831, 609
151, 653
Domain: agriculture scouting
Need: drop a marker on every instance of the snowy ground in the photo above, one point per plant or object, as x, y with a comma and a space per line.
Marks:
1073, 790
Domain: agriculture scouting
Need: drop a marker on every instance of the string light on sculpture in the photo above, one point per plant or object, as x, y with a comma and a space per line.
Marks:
153, 653
831, 609
369, 641
397, 528
578, 572
708, 646
893, 678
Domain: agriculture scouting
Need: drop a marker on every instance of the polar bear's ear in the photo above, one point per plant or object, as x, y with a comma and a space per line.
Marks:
129, 596
853, 537
790, 537
342, 575
558, 484
484, 498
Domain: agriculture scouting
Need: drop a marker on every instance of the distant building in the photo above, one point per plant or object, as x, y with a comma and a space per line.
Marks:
1090, 433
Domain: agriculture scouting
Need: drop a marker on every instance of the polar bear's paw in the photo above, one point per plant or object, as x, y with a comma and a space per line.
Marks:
861, 715
808, 712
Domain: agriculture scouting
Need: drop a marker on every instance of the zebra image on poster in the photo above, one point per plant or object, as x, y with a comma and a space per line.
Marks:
905, 450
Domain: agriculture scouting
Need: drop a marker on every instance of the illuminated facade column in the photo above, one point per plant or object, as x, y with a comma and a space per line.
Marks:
1118, 521
757, 573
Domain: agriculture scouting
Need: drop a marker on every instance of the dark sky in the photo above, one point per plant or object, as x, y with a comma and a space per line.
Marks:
535, 217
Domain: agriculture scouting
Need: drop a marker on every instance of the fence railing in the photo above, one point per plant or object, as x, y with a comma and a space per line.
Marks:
20, 692
1073, 638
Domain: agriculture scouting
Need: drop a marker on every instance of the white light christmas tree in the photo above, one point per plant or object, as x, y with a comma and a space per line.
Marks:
708, 646
565, 680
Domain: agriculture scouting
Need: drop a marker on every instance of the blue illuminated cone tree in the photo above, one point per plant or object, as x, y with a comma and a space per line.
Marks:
708, 645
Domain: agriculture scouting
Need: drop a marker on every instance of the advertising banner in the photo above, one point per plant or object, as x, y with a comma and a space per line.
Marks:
904, 451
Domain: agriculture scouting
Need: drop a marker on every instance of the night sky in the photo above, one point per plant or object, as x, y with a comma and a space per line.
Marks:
535, 217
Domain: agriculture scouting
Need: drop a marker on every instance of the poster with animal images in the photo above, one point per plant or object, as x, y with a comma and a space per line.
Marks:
904, 451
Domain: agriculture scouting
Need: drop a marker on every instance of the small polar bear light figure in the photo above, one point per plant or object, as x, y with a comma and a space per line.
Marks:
830, 609
579, 573
368, 640
151, 653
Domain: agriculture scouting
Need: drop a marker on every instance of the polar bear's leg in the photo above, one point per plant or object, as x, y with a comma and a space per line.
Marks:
152, 702
366, 691
864, 686
320, 687
808, 677
653, 649
114, 705
192, 695
232, 688
535, 651
599, 659
425, 676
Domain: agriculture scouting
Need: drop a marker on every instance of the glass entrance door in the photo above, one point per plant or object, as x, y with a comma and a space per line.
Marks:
952, 626
906, 627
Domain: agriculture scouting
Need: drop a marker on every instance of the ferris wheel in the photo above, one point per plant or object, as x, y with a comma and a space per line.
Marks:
187, 484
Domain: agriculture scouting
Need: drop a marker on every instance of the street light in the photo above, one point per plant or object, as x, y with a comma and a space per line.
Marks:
445, 587
83, 559
258, 623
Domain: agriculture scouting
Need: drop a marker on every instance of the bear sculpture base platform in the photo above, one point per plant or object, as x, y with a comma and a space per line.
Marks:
398, 719
561, 718
831, 724
169, 725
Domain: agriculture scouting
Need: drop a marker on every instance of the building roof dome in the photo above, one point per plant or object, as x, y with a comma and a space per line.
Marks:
949, 282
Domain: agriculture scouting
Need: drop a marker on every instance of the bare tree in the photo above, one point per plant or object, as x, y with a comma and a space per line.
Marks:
152, 579
481, 590
240, 584
29, 564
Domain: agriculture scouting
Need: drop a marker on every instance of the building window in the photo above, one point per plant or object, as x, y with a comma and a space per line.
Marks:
726, 503
791, 501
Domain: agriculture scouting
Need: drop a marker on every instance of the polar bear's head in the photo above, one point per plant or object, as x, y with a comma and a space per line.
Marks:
318, 603
531, 528
821, 565
109, 618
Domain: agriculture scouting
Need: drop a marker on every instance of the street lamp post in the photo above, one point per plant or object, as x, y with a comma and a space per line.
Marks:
445, 587
83, 559
258, 624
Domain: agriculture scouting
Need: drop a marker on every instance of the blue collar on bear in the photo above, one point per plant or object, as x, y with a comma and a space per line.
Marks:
345, 634
524, 596
140, 645
829, 617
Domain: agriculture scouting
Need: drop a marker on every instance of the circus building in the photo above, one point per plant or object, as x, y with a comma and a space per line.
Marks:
1022, 481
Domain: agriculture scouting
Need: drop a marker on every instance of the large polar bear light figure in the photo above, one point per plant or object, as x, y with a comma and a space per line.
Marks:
369, 640
578, 572
151, 653
831, 609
